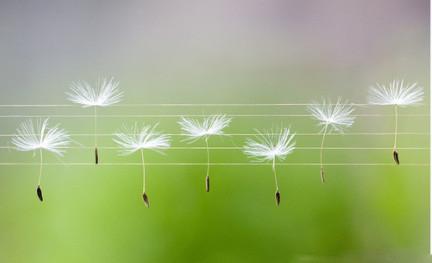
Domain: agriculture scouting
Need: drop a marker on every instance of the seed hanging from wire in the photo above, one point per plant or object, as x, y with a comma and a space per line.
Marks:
396, 94
138, 139
208, 127
39, 138
269, 146
104, 94
331, 117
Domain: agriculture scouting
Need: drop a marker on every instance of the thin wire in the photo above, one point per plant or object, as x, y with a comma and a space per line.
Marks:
254, 134
212, 164
190, 115
238, 148
186, 105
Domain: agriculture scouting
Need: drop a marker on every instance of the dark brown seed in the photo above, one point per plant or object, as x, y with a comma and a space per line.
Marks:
146, 200
96, 156
396, 156
322, 175
207, 183
278, 198
39, 193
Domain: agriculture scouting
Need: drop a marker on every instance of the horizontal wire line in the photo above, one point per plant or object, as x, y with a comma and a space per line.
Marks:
211, 164
189, 105
245, 134
191, 115
237, 148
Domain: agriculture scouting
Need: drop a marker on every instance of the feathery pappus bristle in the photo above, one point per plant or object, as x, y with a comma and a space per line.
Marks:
135, 138
30, 137
209, 126
336, 117
396, 93
268, 146
105, 93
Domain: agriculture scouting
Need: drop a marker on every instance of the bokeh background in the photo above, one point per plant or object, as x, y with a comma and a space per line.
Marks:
257, 51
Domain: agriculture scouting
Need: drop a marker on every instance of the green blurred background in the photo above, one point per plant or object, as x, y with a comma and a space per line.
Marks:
216, 52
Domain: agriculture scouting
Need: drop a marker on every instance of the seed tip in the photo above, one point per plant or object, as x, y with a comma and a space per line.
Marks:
396, 156
207, 183
322, 175
146, 200
278, 197
39, 193
96, 155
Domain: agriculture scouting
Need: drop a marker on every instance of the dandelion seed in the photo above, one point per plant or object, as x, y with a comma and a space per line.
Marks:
278, 197
396, 94
196, 130
39, 193
105, 93
269, 147
146, 200
331, 117
133, 139
40, 137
